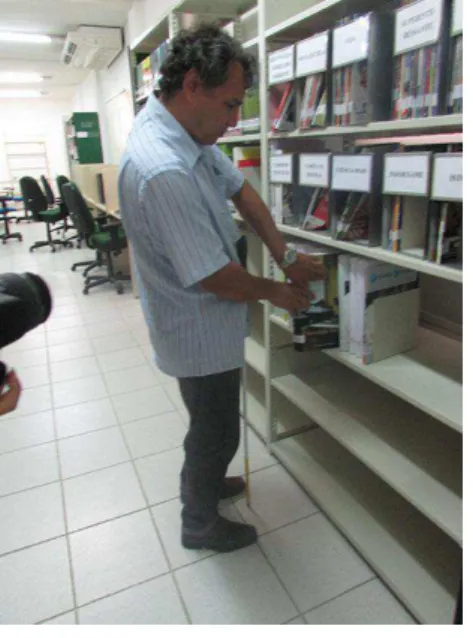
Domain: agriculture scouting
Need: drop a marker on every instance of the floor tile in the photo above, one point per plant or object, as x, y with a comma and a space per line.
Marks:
369, 604
159, 475
31, 341
236, 588
130, 379
276, 500
27, 359
71, 350
33, 377
141, 404
33, 516
155, 434
101, 496
65, 310
85, 417
106, 328
113, 343
168, 521
118, 554
91, 452
64, 619
121, 360
153, 603
74, 369
314, 561
32, 401
35, 584
78, 391
62, 323
69, 335
297, 621
24, 469
174, 393
21, 432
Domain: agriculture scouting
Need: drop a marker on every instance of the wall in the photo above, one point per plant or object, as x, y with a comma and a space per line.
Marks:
34, 120
145, 14
99, 92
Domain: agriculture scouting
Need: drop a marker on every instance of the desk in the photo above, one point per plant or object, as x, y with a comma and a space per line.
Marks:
4, 210
129, 262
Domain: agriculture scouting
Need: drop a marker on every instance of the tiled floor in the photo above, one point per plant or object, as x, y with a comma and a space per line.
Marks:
89, 504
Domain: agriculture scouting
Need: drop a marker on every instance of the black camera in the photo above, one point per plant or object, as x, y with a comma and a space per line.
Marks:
25, 303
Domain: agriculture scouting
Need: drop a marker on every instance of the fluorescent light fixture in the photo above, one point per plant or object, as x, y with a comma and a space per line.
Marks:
19, 93
29, 38
19, 77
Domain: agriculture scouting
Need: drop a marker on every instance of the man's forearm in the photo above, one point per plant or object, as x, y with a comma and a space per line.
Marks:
254, 211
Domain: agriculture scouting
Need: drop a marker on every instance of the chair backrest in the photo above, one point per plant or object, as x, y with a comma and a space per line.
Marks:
79, 211
60, 181
48, 191
33, 197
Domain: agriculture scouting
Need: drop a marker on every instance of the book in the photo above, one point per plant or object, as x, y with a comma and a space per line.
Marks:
250, 111
449, 247
455, 99
317, 212
318, 327
282, 107
354, 221
314, 100
395, 233
281, 203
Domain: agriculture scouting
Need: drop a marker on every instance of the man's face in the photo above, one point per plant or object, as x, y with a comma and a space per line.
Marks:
218, 109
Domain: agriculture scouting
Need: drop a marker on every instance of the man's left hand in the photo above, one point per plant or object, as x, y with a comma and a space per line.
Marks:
306, 268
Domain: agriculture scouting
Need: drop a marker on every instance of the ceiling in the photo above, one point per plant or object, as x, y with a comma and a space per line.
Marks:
54, 18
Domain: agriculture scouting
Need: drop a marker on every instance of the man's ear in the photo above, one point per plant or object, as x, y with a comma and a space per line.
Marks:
191, 84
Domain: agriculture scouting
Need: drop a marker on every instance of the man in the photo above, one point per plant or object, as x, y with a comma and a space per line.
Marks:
174, 186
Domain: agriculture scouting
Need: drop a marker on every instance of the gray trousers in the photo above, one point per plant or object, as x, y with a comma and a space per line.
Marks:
211, 443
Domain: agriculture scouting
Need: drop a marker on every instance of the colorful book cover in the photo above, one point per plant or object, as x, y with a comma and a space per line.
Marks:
396, 224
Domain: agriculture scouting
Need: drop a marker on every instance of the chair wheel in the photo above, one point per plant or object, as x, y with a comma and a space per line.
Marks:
85, 291
53, 249
120, 290
20, 238
31, 249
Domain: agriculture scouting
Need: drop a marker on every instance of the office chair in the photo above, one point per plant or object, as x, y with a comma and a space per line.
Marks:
54, 202
107, 239
36, 203
90, 264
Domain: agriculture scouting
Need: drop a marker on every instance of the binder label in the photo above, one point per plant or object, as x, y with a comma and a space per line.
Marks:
352, 173
281, 65
418, 25
314, 169
281, 169
448, 178
457, 23
311, 55
350, 42
406, 174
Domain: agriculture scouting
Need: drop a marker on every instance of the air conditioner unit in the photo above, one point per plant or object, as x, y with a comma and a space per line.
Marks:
92, 47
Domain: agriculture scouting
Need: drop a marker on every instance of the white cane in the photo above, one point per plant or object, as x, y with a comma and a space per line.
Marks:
246, 450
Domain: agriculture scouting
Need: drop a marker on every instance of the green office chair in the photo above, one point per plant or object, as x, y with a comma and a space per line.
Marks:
35, 201
107, 238
90, 264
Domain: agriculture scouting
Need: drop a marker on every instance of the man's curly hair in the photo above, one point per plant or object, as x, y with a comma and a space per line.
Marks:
208, 50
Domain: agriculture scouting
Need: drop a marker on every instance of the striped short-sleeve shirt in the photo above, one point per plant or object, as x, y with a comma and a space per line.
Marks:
174, 205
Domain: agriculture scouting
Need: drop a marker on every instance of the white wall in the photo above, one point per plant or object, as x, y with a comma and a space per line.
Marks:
98, 93
35, 120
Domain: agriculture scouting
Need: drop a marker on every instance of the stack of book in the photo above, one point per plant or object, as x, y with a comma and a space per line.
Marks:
250, 111
419, 64
248, 161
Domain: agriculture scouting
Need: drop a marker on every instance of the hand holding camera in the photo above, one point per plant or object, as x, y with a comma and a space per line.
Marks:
10, 390
25, 303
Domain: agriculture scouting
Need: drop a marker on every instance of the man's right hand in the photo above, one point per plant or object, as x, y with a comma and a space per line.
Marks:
291, 297
9, 399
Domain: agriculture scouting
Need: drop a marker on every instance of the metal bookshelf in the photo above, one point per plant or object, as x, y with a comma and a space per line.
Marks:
384, 458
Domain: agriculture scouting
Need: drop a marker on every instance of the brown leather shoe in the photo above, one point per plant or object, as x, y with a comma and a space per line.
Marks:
233, 486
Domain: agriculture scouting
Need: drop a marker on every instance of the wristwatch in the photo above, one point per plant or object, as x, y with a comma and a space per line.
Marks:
289, 258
